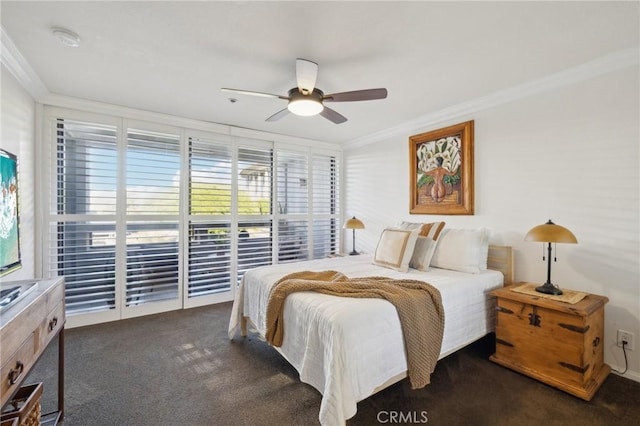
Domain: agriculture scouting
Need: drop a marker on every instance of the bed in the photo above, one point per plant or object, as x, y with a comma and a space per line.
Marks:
349, 349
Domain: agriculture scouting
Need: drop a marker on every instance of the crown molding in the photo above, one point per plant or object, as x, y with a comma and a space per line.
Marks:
18, 66
603, 65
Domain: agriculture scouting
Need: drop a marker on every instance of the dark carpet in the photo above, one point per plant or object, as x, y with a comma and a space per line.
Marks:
179, 368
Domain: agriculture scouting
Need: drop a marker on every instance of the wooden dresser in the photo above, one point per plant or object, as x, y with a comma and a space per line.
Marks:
557, 343
26, 329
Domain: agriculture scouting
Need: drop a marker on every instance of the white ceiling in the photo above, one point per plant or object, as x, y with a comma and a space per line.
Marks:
173, 57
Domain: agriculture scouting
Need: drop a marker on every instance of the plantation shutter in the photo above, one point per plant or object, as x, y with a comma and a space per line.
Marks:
153, 166
82, 230
293, 205
142, 212
326, 198
210, 204
153, 160
255, 218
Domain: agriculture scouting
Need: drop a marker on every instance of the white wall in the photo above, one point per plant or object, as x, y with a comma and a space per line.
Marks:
18, 124
570, 154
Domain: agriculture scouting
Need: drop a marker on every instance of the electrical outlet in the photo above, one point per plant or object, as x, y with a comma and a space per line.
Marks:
625, 336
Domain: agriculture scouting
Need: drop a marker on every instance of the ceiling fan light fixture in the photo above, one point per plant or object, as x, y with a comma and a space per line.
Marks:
305, 107
306, 100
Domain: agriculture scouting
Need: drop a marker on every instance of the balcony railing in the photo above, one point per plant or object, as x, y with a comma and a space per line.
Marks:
152, 270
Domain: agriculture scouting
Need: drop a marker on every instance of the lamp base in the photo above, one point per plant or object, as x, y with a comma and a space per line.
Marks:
353, 253
548, 288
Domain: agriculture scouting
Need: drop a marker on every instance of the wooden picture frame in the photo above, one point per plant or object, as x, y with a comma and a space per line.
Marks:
441, 171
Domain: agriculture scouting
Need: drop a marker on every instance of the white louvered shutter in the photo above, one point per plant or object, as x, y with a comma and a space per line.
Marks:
292, 195
82, 231
326, 204
153, 192
255, 218
210, 204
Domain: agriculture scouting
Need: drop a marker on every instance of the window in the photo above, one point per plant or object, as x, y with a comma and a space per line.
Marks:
152, 167
326, 196
145, 218
255, 210
83, 250
210, 208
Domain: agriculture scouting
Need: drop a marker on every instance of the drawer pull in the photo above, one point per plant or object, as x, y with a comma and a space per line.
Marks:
596, 342
53, 323
14, 375
503, 309
575, 328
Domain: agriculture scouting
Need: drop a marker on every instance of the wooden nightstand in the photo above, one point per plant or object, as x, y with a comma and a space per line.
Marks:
557, 343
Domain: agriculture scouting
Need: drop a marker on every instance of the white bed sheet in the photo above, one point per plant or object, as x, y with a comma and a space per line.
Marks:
347, 348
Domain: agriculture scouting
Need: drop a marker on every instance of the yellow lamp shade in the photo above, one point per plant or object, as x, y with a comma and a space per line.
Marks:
353, 223
551, 233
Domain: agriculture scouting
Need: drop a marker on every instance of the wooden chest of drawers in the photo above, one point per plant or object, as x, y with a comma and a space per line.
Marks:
557, 343
25, 331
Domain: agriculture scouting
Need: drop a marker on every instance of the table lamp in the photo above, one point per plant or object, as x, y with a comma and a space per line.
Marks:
550, 233
354, 224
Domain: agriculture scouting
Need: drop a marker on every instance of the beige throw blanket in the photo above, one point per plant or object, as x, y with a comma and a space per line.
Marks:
418, 304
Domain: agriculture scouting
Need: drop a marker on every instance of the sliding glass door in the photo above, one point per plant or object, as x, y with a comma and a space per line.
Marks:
144, 218
151, 220
82, 197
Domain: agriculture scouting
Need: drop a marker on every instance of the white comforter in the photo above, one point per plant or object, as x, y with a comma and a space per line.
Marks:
347, 348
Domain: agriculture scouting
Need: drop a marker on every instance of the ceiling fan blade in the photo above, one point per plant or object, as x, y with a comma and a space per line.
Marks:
306, 75
249, 92
278, 115
333, 116
357, 95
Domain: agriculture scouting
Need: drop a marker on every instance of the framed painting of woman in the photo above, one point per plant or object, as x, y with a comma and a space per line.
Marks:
441, 171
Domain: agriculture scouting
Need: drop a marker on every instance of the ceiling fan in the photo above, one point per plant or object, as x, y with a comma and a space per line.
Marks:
307, 100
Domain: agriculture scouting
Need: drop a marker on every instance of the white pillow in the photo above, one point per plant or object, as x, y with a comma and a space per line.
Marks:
426, 245
395, 248
422, 253
409, 225
463, 250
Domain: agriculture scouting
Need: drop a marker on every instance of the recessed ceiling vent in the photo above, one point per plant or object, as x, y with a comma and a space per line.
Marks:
66, 37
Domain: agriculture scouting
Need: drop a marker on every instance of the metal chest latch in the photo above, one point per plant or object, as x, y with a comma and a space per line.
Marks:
534, 318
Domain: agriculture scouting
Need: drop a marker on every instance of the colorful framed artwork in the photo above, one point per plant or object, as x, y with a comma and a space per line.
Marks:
9, 226
441, 171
